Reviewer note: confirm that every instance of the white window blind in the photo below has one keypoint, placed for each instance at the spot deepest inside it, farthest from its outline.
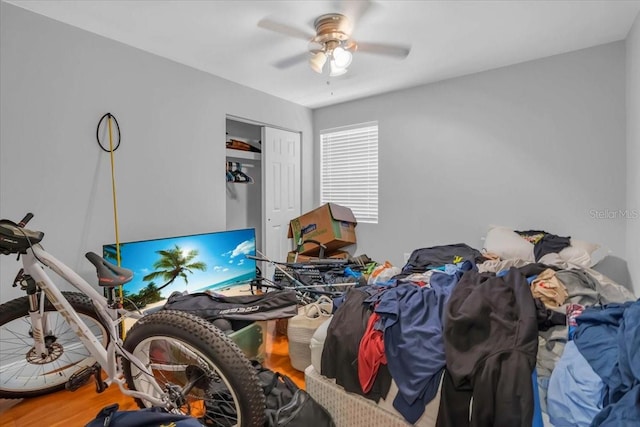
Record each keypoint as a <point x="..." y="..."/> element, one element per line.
<point x="349" y="169"/>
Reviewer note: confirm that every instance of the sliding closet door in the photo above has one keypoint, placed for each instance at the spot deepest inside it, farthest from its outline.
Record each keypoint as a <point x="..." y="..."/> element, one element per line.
<point x="281" y="190"/>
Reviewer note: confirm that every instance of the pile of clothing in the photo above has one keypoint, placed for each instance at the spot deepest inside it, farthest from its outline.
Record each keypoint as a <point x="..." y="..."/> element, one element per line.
<point x="484" y="331"/>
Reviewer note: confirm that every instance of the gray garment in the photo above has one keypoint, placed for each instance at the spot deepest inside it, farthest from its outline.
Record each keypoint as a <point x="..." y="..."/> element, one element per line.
<point x="611" y="291"/>
<point x="550" y="347"/>
<point x="581" y="287"/>
<point x="494" y="266"/>
<point x="585" y="289"/>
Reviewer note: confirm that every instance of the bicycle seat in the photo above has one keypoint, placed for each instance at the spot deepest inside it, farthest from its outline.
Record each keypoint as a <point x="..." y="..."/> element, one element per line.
<point x="109" y="275"/>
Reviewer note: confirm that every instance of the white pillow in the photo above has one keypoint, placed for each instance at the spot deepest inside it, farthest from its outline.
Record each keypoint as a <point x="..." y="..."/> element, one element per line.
<point x="585" y="254"/>
<point x="601" y="253"/>
<point x="575" y="255"/>
<point x="508" y="244"/>
<point x="588" y="247"/>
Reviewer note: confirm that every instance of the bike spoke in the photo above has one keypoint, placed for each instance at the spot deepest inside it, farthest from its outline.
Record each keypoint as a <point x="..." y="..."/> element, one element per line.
<point x="169" y="362"/>
<point x="21" y="369"/>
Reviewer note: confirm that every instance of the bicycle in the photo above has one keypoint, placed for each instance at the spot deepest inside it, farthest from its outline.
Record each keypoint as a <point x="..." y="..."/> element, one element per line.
<point x="52" y="339"/>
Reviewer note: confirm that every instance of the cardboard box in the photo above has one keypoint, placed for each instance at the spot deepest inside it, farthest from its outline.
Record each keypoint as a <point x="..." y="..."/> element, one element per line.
<point x="330" y="224"/>
<point x="291" y="256"/>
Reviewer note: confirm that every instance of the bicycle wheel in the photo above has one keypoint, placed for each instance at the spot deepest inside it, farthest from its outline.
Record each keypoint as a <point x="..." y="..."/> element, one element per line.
<point x="203" y="372"/>
<point x="25" y="374"/>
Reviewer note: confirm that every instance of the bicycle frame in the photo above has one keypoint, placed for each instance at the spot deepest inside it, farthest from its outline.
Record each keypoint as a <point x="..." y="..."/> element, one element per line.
<point x="32" y="261"/>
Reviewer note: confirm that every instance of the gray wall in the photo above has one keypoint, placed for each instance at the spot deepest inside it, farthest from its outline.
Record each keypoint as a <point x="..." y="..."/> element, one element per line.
<point x="539" y="144"/>
<point x="57" y="81"/>
<point x="535" y="145"/>
<point x="633" y="152"/>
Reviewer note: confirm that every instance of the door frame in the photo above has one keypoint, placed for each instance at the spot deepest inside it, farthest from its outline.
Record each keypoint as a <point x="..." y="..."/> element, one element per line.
<point x="263" y="124"/>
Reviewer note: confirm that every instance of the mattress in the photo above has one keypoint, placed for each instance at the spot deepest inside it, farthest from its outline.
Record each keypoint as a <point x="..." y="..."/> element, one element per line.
<point x="353" y="410"/>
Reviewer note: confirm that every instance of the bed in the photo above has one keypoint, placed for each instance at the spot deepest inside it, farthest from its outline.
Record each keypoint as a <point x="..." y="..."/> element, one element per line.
<point x="577" y="260"/>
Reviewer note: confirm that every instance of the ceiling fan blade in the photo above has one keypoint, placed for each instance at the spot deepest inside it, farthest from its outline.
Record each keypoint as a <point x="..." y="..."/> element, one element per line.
<point x="285" y="29"/>
<point x="355" y="10"/>
<point x="384" y="49"/>
<point x="292" y="60"/>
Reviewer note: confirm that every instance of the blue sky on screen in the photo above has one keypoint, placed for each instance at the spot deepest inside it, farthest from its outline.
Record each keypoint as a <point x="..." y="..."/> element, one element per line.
<point x="222" y="252"/>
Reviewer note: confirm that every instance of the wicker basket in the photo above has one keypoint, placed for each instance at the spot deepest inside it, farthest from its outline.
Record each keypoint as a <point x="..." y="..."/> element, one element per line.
<point x="352" y="410"/>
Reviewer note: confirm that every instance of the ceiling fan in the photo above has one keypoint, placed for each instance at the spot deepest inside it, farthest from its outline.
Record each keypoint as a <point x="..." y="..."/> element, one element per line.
<point x="332" y="43"/>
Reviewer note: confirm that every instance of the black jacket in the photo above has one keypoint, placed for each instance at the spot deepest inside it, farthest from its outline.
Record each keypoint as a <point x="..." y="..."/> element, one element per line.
<point x="491" y="343"/>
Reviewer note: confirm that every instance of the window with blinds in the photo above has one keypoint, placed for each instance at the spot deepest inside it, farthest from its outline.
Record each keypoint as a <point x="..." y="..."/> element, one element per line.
<point x="349" y="169"/>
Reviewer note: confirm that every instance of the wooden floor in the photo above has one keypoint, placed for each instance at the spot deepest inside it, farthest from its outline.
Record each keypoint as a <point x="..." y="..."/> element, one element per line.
<point x="66" y="408"/>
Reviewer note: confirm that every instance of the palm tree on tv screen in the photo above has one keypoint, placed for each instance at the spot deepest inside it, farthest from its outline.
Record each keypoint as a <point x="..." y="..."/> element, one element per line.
<point x="147" y="295"/>
<point x="174" y="263"/>
<point x="110" y="253"/>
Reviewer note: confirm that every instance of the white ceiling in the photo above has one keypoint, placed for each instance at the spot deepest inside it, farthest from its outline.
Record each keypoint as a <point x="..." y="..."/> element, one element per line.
<point x="447" y="38"/>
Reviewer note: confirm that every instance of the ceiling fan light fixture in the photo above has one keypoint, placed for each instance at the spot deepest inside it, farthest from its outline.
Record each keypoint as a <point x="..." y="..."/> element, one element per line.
<point x="336" y="70"/>
<point x="317" y="61"/>
<point x="341" y="57"/>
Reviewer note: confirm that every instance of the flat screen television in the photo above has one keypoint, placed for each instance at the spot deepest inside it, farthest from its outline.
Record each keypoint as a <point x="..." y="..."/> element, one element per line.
<point x="195" y="263"/>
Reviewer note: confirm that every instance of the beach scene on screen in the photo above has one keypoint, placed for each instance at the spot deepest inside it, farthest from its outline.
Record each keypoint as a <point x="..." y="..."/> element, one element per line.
<point x="195" y="263"/>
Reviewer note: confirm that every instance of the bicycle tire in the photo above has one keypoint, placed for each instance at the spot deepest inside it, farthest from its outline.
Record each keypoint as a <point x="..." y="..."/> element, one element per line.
<point x="168" y="339"/>
<point x="21" y="377"/>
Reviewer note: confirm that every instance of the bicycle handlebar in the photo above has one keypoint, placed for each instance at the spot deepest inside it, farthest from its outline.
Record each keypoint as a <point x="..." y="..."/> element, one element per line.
<point x="25" y="220"/>
<point x="15" y="239"/>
